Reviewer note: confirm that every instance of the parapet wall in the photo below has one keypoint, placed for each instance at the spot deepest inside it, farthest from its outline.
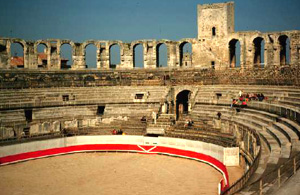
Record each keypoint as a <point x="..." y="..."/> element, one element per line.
<point x="207" y="52"/>
<point x="196" y="150"/>
<point x="217" y="46"/>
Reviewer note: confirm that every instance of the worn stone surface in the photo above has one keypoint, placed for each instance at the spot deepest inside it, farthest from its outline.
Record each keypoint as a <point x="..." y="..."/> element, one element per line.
<point x="214" y="46"/>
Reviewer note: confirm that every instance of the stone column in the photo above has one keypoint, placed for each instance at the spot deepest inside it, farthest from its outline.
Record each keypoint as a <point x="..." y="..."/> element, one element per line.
<point x="32" y="57"/>
<point x="54" y="57"/>
<point x="243" y="55"/>
<point x="276" y="57"/>
<point x="126" y="56"/>
<point x="149" y="55"/>
<point x="172" y="54"/>
<point x="78" y="57"/>
<point x="4" y="55"/>
<point x="101" y="57"/>
<point x="294" y="52"/>
<point x="268" y="54"/>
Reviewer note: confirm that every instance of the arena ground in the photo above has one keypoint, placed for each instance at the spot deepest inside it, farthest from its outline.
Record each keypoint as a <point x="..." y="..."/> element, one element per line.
<point x="111" y="173"/>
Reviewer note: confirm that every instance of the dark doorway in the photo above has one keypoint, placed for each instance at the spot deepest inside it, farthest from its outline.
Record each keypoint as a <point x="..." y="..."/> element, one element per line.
<point x="28" y="115"/>
<point x="234" y="53"/>
<point x="182" y="103"/>
<point x="100" y="110"/>
<point x="259" y="48"/>
<point x="284" y="43"/>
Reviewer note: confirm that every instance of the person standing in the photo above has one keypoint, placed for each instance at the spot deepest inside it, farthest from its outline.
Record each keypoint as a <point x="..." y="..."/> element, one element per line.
<point x="154" y="116"/>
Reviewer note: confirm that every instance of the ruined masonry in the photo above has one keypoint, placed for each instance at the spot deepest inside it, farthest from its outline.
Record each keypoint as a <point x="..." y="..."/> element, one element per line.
<point x="215" y="47"/>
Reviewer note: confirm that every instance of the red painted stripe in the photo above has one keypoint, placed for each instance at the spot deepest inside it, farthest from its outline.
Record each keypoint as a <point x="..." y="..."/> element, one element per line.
<point x="116" y="147"/>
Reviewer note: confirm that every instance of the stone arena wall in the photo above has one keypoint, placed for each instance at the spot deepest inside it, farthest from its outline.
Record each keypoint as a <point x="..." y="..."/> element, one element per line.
<point x="203" y="152"/>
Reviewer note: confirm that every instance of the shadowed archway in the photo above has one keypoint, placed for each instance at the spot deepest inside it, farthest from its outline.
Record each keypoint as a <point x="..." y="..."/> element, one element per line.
<point x="182" y="103"/>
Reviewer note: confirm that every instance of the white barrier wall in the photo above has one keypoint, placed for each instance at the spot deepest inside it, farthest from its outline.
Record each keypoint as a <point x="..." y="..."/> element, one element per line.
<point x="212" y="150"/>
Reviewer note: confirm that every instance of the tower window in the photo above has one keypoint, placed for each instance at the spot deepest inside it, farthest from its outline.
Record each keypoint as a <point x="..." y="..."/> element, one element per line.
<point x="139" y="96"/>
<point x="214" y="31"/>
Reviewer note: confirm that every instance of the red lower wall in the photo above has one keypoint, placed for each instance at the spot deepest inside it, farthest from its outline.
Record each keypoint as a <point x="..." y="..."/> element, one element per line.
<point x="120" y="147"/>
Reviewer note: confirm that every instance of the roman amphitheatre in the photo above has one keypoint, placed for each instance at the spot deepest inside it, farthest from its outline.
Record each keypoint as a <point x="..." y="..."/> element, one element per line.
<point x="223" y="119"/>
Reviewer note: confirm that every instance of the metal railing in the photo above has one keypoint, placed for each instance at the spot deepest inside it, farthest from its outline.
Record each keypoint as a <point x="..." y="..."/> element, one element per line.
<point x="276" y="178"/>
<point x="240" y="183"/>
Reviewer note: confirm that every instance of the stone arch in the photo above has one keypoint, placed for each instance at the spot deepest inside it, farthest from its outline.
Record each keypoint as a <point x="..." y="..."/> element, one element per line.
<point x="234" y="53"/>
<point x="38" y="42"/>
<point x="17" y="61"/>
<point x="284" y="49"/>
<point x="3" y="54"/>
<point x="118" y="53"/>
<point x="134" y="45"/>
<point x="160" y="50"/>
<point x="42" y="60"/>
<point x="182" y="103"/>
<point x="185" y="58"/>
<point x="69" y="42"/>
<point x="64" y="64"/>
<point x="93" y="60"/>
<point x="258" y="51"/>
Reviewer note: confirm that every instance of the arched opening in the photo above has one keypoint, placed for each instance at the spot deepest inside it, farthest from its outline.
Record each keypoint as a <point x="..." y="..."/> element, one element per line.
<point x="284" y="43"/>
<point x="91" y="56"/>
<point x="213" y="31"/>
<point x="234" y="53"/>
<point x="138" y="56"/>
<point x="65" y="56"/>
<point x="185" y="52"/>
<point x="42" y="55"/>
<point x="259" y="50"/>
<point x="161" y="55"/>
<point x="17" y="55"/>
<point x="114" y="56"/>
<point x="182" y="103"/>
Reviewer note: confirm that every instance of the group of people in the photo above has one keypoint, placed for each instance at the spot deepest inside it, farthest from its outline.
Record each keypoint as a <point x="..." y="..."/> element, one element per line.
<point x="118" y="132"/>
<point x="244" y="98"/>
<point x="188" y="123"/>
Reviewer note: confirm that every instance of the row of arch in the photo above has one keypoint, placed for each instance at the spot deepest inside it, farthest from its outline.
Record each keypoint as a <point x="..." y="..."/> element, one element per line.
<point x="67" y="50"/>
<point x="259" y="49"/>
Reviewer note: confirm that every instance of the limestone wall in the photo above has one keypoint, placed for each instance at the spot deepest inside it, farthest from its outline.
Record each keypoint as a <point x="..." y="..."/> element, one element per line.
<point x="213" y="47"/>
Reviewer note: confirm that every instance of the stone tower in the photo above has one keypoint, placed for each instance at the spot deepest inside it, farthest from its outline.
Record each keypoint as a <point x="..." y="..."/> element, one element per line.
<point x="215" y="20"/>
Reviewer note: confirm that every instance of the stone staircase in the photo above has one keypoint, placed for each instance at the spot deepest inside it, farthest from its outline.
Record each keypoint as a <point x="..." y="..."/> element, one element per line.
<point x="164" y="121"/>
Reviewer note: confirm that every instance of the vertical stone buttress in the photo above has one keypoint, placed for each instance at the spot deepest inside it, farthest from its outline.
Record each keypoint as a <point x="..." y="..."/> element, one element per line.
<point x="4" y="57"/>
<point x="78" y="57"/>
<point x="149" y="54"/>
<point x="32" y="63"/>
<point x="54" y="56"/>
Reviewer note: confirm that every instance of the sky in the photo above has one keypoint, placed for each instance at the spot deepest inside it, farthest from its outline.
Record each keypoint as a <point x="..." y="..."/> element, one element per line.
<point x="129" y="20"/>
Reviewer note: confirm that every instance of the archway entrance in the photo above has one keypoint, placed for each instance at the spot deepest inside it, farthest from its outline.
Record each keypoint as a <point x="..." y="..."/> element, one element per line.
<point x="182" y="103"/>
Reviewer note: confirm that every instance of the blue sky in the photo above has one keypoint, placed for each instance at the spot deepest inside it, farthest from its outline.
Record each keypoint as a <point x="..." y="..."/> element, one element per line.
<point x="128" y="20"/>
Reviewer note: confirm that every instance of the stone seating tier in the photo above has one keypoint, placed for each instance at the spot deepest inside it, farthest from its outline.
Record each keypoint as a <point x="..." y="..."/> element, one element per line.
<point x="54" y="96"/>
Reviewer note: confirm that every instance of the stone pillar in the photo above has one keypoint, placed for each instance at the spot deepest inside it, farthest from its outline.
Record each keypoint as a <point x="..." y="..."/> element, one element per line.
<point x="243" y="55"/>
<point x="276" y="58"/>
<point x="294" y="52"/>
<point x="54" y="61"/>
<point x="126" y="56"/>
<point x="101" y="55"/>
<point x="149" y="55"/>
<point x="78" y="57"/>
<point x="4" y="55"/>
<point x="268" y="54"/>
<point x="172" y="55"/>
<point x="32" y="57"/>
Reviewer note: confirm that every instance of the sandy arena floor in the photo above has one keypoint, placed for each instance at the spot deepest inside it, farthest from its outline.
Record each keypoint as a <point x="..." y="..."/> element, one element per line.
<point x="110" y="173"/>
